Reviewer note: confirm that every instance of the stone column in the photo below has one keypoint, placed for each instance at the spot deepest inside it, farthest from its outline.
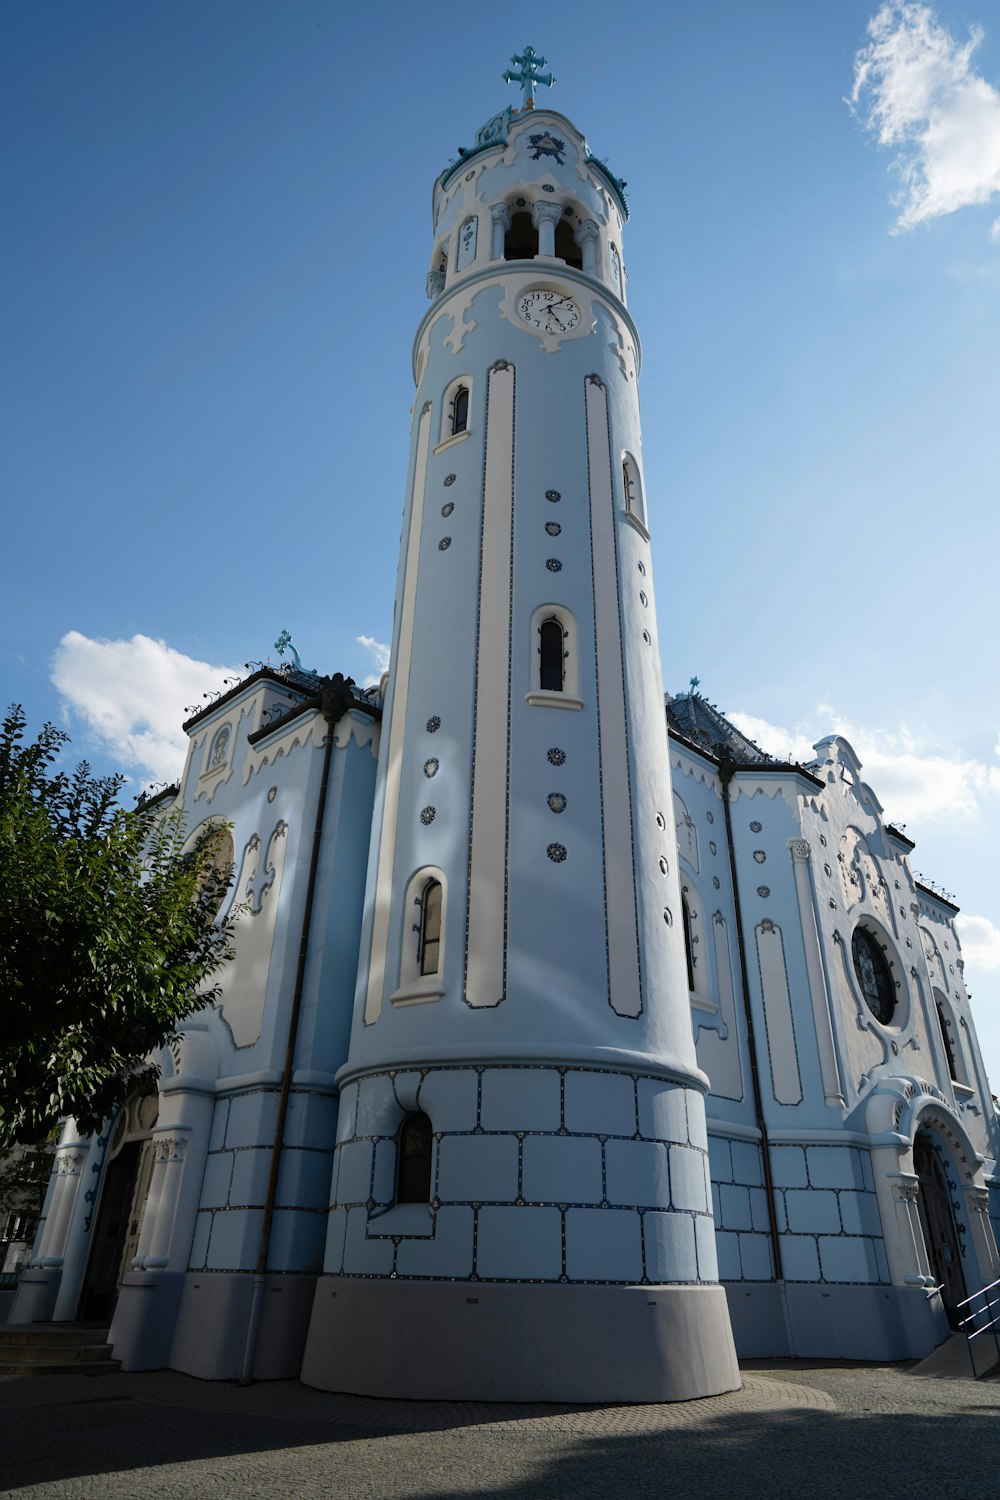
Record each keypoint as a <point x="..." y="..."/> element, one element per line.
<point x="586" y="237"/>
<point x="977" y="1206"/>
<point x="500" y="214"/>
<point x="164" y="1191"/>
<point x="909" y="1237"/>
<point x="833" y="1088"/>
<point x="70" y="1160"/>
<point x="545" y="217"/>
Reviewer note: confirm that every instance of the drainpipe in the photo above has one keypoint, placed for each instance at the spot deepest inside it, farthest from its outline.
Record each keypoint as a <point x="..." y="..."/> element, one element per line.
<point x="727" y="767"/>
<point x="334" y="700"/>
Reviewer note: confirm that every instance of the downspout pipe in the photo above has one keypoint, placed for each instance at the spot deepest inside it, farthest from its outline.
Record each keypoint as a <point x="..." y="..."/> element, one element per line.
<point x="335" y="698"/>
<point x="727" y="768"/>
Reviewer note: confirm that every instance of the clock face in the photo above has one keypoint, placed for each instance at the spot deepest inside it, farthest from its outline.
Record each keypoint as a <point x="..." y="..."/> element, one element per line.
<point x="547" y="310"/>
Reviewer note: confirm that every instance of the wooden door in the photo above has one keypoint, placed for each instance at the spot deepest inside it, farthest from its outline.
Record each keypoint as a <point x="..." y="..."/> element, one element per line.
<point x="938" y="1224"/>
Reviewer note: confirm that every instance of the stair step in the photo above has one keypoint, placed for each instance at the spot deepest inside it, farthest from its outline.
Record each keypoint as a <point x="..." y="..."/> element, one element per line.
<point x="51" y="1335"/>
<point x="77" y="1367"/>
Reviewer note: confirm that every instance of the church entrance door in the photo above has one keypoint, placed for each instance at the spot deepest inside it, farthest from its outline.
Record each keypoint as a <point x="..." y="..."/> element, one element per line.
<point x="120" y="1211"/>
<point x="938" y="1224"/>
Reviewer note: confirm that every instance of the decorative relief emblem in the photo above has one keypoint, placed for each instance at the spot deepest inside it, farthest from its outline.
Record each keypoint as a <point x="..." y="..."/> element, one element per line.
<point x="444" y="544"/>
<point x="661" y="821"/>
<point x="642" y="568"/>
<point x="553" y="496"/>
<point x="668" y="916"/>
<point x="557" y="853"/>
<point x="433" y="724"/>
<point x="431" y="767"/>
<point x="710" y="817"/>
<point x="642" y="599"/>
<point x="712" y="847"/>
<point x="545" y="144"/>
<point x="553" y="528"/>
<point x="595" y="380"/>
<point x="220" y="747"/>
<point x="553" y="564"/>
<point x="556" y="757"/>
<point x="557" y="802"/>
<point x="766" y="925"/>
<point x="446" y="510"/>
<point x="500" y="364"/>
<point x="647" y="637"/>
<point x="756" y="827"/>
<point x="715" y="881"/>
<point x="272" y="792"/>
<point x="764" y="891"/>
<point x="427" y="815"/>
<point x="759" y="856"/>
<point x="449" y="480"/>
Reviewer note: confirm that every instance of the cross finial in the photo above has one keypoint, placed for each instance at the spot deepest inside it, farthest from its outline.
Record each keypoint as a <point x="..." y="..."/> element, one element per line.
<point x="695" y="685"/>
<point x="529" y="63"/>
<point x="283" y="644"/>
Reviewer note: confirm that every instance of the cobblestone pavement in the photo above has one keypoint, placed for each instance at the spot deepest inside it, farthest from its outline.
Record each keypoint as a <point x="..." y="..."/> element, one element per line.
<point x="798" y="1431"/>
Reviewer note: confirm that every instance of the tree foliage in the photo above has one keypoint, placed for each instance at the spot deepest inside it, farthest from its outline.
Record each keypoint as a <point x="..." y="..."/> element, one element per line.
<point x="109" y="935"/>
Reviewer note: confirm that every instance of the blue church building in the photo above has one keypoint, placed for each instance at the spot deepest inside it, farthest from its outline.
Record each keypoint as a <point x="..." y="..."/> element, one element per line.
<point x="573" y="1045"/>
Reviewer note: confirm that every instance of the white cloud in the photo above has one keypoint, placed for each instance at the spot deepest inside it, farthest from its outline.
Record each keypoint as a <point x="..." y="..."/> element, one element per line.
<point x="380" y="655"/>
<point x="915" y="781"/>
<point x="132" y="696"/>
<point x="980" y="939"/>
<point x="915" y="89"/>
<point x="995" y="230"/>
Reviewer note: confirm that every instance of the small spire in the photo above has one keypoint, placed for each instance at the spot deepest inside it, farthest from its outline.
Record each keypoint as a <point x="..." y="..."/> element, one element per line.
<point x="529" y="63"/>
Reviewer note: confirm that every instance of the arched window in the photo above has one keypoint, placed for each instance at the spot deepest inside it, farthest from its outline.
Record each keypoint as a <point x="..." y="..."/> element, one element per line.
<point x="429" y="947"/>
<point x="550" y="651"/>
<point x="521" y="239"/>
<point x="946" y="1038"/>
<point x="460" y="410"/>
<point x="873" y="975"/>
<point x="688" y="941"/>
<point x="632" y="489"/>
<point x="456" y="409"/>
<point x="555" y="651"/>
<point x="424" y="934"/>
<point x="413" y="1174"/>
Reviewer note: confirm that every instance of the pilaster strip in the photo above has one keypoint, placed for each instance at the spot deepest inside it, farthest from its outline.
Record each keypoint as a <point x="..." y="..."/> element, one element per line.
<point x="486" y="947"/>
<point x="397" y="733"/>
<point x="624" y="986"/>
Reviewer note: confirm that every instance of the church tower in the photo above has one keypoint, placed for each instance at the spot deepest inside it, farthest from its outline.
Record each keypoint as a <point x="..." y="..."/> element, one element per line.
<point x="521" y="1204"/>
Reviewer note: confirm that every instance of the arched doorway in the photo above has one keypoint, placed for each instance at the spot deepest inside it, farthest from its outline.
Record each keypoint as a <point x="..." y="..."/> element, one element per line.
<point x="118" y="1222"/>
<point x="937" y="1221"/>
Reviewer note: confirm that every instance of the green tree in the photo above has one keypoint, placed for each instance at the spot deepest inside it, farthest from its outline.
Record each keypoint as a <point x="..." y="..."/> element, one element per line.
<point x="108" y="935"/>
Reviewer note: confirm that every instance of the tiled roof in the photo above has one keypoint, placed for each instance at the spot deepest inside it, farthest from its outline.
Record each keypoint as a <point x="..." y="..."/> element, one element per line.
<point x="701" y="723"/>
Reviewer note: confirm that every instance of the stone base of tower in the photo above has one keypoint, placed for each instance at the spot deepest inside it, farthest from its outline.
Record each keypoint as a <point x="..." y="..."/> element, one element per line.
<point x="480" y="1342"/>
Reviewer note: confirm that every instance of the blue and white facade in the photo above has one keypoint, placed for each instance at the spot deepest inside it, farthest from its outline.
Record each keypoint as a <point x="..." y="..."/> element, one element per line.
<point x="565" y="1038"/>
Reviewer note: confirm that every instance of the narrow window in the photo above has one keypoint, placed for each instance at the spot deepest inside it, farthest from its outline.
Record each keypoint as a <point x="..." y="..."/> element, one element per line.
<point x="688" y="941"/>
<point x="550" y="648"/>
<point x="413" y="1183"/>
<point x="430" y="927"/>
<point x="628" y="483"/>
<point x="946" y="1038"/>
<point x="460" y="410"/>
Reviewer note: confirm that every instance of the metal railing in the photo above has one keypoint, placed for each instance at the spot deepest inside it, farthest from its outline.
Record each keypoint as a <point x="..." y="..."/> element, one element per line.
<point x="984" y="1317"/>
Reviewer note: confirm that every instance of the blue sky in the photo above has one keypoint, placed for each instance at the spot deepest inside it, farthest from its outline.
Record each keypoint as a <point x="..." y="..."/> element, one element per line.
<point x="217" y="232"/>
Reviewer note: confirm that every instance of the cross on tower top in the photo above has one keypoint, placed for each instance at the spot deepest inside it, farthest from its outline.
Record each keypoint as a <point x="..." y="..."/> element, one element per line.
<point x="529" y="63"/>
